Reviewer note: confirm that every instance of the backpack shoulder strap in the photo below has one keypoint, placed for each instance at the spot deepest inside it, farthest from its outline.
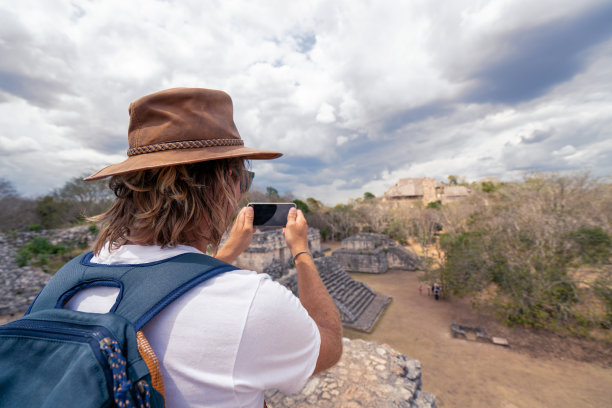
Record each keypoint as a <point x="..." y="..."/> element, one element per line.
<point x="144" y="289"/>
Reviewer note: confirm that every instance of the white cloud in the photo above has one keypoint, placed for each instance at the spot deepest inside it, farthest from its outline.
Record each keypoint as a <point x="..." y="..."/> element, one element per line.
<point x="326" y="114"/>
<point x="565" y="151"/>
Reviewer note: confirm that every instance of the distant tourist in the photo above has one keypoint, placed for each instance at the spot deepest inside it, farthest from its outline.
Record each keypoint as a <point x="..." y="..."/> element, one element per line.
<point x="436" y="291"/>
<point x="420" y="289"/>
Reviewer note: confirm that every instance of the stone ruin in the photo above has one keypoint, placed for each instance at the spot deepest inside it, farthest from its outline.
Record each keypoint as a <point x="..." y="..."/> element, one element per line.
<point x="268" y="252"/>
<point x="367" y="375"/>
<point x="460" y="331"/>
<point x="469" y="332"/>
<point x="359" y="305"/>
<point x="374" y="253"/>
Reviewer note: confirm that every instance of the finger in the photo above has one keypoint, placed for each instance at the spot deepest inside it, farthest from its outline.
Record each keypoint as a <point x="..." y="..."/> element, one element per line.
<point x="239" y="222"/>
<point x="300" y="216"/>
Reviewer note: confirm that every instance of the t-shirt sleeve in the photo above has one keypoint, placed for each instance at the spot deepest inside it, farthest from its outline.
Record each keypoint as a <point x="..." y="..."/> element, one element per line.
<point x="280" y="342"/>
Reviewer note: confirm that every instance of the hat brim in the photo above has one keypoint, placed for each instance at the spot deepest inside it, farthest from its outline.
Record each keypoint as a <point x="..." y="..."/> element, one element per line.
<point x="183" y="156"/>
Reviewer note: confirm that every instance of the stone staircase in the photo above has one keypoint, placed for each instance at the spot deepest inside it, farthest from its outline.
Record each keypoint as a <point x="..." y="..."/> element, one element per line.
<point x="358" y="304"/>
<point x="351" y="297"/>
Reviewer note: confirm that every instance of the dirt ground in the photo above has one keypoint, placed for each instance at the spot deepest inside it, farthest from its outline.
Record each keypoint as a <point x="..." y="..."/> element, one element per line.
<point x="537" y="370"/>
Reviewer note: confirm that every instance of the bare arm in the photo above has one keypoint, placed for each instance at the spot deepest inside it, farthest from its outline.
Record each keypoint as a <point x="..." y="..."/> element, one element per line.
<point x="240" y="236"/>
<point x="313" y="294"/>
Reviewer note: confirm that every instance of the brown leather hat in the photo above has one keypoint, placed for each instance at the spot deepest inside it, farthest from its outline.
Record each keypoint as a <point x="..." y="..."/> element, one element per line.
<point x="181" y="126"/>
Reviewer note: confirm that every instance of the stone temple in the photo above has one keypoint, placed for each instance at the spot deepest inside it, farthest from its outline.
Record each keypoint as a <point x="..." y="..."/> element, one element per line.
<point x="268" y="252"/>
<point x="374" y="253"/>
<point x="358" y="304"/>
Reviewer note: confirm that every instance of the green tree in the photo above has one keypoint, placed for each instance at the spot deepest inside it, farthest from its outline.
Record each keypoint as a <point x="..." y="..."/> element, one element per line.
<point x="272" y="193"/>
<point x="489" y="186"/>
<point x="52" y="212"/>
<point x="368" y="196"/>
<point x="301" y="205"/>
<point x="89" y="197"/>
<point x="73" y="202"/>
<point x="314" y="204"/>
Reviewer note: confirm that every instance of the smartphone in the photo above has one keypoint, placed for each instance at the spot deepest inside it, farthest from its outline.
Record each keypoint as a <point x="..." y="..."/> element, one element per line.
<point x="271" y="214"/>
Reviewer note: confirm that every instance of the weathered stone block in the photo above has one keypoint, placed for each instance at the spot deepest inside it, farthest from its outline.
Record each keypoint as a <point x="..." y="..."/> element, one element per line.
<point x="362" y="261"/>
<point x="374" y="253"/>
<point x="373" y="379"/>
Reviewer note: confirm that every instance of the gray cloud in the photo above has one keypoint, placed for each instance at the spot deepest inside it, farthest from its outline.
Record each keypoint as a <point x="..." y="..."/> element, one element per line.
<point x="37" y="91"/>
<point x="535" y="59"/>
<point x="30" y="68"/>
<point x="404" y="117"/>
<point x="536" y="136"/>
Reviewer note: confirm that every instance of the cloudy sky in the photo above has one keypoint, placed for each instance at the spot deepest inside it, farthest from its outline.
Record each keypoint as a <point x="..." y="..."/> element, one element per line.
<point x="356" y="93"/>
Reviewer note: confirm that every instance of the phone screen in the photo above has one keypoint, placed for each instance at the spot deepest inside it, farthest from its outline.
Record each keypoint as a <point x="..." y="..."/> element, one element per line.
<point x="270" y="214"/>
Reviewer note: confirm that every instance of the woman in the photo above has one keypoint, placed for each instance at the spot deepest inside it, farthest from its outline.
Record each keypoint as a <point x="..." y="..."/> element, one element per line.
<point x="232" y="337"/>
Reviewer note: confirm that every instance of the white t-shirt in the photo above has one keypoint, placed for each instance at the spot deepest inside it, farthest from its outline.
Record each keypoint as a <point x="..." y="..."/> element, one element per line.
<point x="223" y="342"/>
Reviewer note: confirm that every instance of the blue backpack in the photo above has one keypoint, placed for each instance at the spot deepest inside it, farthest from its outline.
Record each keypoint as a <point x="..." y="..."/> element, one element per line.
<point x="55" y="357"/>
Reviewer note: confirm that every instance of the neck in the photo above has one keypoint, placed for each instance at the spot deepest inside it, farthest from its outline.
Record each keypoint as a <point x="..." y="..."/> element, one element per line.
<point x="191" y="239"/>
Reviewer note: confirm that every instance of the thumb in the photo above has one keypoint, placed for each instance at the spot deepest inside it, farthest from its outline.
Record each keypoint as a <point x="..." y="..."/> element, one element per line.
<point x="249" y="215"/>
<point x="292" y="215"/>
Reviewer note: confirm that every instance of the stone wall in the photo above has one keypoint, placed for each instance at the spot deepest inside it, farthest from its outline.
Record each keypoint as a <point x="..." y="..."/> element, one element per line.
<point x="362" y="261"/>
<point x="365" y="241"/>
<point x="374" y="253"/>
<point x="430" y="193"/>
<point x="19" y="286"/>
<point x="368" y="375"/>
<point x="268" y="249"/>
<point x="400" y="258"/>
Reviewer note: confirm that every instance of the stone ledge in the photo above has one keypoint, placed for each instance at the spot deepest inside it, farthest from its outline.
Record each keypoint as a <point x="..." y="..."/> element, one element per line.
<point x="368" y="375"/>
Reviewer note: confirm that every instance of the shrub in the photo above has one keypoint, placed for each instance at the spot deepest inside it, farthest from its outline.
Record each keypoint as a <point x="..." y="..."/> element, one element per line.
<point x="522" y="250"/>
<point x="39" y="251"/>
<point x="489" y="186"/>
<point x="435" y="205"/>
<point x="395" y="230"/>
<point x="42" y="246"/>
<point x="593" y="245"/>
<point x="23" y="256"/>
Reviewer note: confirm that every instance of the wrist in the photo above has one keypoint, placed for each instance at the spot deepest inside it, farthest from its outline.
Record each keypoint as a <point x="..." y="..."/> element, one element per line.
<point x="301" y="254"/>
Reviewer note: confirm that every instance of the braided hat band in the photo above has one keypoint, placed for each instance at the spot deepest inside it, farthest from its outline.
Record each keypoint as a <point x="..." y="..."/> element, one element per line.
<point x="184" y="144"/>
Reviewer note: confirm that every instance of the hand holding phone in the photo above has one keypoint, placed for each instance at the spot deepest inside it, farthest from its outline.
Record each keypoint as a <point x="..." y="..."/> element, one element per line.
<point x="271" y="214"/>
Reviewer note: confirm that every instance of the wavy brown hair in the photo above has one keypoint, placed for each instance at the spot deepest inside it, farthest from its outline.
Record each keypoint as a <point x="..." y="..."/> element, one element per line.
<point x="171" y="205"/>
